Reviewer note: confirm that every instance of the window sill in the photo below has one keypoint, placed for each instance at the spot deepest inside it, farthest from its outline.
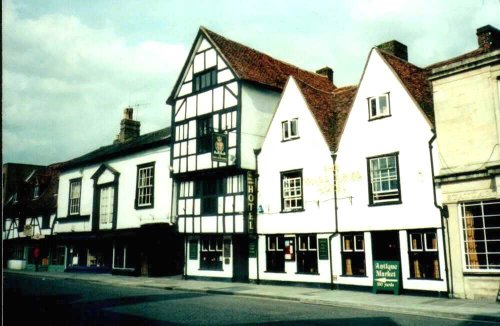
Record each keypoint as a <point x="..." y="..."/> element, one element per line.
<point x="124" y="268"/>
<point x="354" y="276"/>
<point x="290" y="139"/>
<point x="275" y="272"/>
<point x="210" y="269"/>
<point x="425" y="279"/>
<point x="482" y="273"/>
<point x="144" y="207"/>
<point x="293" y="211"/>
<point x="380" y="117"/>
<point x="385" y="204"/>
<point x="303" y="273"/>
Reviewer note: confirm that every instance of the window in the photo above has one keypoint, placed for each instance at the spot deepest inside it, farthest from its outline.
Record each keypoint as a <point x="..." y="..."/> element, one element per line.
<point x="307" y="258"/>
<point x="57" y="255"/>
<point x="124" y="256"/>
<point x="384" y="179"/>
<point x="106" y="205"/>
<point x="353" y="255"/>
<point x="211" y="253"/>
<point x="36" y="191"/>
<point x="205" y="130"/>
<point x="75" y="196"/>
<point x="424" y="260"/>
<point x="291" y="190"/>
<point x="275" y="255"/>
<point x="481" y="234"/>
<point x="379" y="106"/>
<point x="204" y="80"/>
<point x="290" y="129"/>
<point x="208" y="190"/>
<point x="234" y="184"/>
<point x="16" y="252"/>
<point x="145" y="185"/>
<point x="186" y="189"/>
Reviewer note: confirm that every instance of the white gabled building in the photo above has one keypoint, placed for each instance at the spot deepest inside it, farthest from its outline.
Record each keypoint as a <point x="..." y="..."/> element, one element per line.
<point x="222" y="103"/>
<point x="296" y="221"/>
<point x="386" y="201"/>
<point x="114" y="206"/>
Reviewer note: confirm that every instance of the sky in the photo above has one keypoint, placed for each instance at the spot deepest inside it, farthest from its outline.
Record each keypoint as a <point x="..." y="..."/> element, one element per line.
<point x="69" y="68"/>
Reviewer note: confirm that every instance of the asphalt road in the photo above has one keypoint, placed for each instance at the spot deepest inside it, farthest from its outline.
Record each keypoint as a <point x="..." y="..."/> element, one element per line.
<point x="37" y="301"/>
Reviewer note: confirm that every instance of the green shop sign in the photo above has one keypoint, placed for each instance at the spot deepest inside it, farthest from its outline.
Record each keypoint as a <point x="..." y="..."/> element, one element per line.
<point x="219" y="147"/>
<point x="386" y="276"/>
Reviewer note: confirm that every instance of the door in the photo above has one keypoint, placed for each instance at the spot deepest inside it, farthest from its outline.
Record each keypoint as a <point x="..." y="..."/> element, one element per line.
<point x="240" y="264"/>
<point x="385" y="245"/>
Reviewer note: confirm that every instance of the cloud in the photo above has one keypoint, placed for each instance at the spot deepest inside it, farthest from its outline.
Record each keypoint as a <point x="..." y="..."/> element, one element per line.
<point x="65" y="85"/>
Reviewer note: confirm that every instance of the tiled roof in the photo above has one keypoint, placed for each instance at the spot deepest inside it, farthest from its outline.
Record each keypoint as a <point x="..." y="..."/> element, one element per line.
<point x="330" y="109"/>
<point x="467" y="55"/>
<point x="415" y="80"/>
<point x="258" y="67"/>
<point x="161" y="136"/>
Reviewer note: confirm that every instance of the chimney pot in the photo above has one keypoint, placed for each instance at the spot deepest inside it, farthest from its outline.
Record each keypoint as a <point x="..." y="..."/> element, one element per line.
<point x="395" y="48"/>
<point x="326" y="71"/>
<point x="488" y="37"/>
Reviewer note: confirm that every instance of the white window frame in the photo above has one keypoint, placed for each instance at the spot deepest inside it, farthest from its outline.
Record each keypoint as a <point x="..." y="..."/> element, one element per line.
<point x="124" y="258"/>
<point x="291" y="188"/>
<point x="417" y="235"/>
<point x="234" y="184"/>
<point x="354" y="247"/>
<point x="145" y="189"/>
<point x="288" y="128"/>
<point x="463" y="228"/>
<point x="36" y="191"/>
<point x="75" y="196"/>
<point x="308" y="242"/>
<point x="106" y="205"/>
<point x="277" y="242"/>
<point x="374" y="106"/>
<point x="378" y="176"/>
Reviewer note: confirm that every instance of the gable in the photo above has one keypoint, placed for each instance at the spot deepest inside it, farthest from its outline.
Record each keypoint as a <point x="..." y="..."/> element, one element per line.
<point x="105" y="174"/>
<point x="202" y="57"/>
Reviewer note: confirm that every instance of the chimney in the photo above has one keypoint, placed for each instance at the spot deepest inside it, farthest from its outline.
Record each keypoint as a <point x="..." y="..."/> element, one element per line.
<point x="488" y="37"/>
<point x="395" y="48"/>
<point x="326" y="71"/>
<point x="129" y="128"/>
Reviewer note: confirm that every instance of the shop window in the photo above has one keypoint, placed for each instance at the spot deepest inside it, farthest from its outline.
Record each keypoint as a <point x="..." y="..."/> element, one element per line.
<point x="124" y="257"/>
<point x="211" y="253"/>
<point x="353" y="255"/>
<point x="481" y="234"/>
<point x="275" y="254"/>
<point x="58" y="254"/>
<point x="424" y="259"/>
<point x="307" y="254"/>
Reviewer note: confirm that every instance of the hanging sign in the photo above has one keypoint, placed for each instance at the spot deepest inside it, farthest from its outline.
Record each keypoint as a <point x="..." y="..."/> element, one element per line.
<point x="219" y="147"/>
<point x="386" y="276"/>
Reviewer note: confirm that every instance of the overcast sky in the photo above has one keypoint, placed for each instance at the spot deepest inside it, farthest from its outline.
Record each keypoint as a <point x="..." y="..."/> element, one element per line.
<point x="71" y="67"/>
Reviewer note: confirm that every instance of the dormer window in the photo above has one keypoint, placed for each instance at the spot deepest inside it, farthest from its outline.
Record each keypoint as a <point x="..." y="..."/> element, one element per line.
<point x="204" y="80"/>
<point x="290" y="129"/>
<point x="378" y="106"/>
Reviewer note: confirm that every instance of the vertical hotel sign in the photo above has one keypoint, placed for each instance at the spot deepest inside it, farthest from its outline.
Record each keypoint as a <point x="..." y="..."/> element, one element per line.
<point x="219" y="147"/>
<point x="251" y="202"/>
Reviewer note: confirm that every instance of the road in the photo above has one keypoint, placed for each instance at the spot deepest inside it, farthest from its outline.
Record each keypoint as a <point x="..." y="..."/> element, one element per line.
<point x="42" y="301"/>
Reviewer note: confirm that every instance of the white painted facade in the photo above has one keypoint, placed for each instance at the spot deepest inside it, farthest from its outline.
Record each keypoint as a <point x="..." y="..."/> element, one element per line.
<point x="405" y="133"/>
<point x="127" y="215"/>
<point x="310" y="154"/>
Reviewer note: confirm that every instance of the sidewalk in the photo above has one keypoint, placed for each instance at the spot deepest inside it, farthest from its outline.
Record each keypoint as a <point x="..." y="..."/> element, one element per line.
<point x="407" y="304"/>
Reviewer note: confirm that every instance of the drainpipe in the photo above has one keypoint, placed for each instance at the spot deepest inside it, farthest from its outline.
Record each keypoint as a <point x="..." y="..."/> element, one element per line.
<point x="334" y="158"/>
<point x="256" y="153"/>
<point x="443" y="214"/>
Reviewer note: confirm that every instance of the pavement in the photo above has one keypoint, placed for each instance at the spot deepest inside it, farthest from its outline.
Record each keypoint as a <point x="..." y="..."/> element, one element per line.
<point x="463" y="309"/>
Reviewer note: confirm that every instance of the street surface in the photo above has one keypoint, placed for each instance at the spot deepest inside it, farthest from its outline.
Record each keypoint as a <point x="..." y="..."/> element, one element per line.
<point x="43" y="301"/>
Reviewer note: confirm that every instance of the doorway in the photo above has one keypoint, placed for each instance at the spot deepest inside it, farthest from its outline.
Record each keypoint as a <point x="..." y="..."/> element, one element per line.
<point x="385" y="245"/>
